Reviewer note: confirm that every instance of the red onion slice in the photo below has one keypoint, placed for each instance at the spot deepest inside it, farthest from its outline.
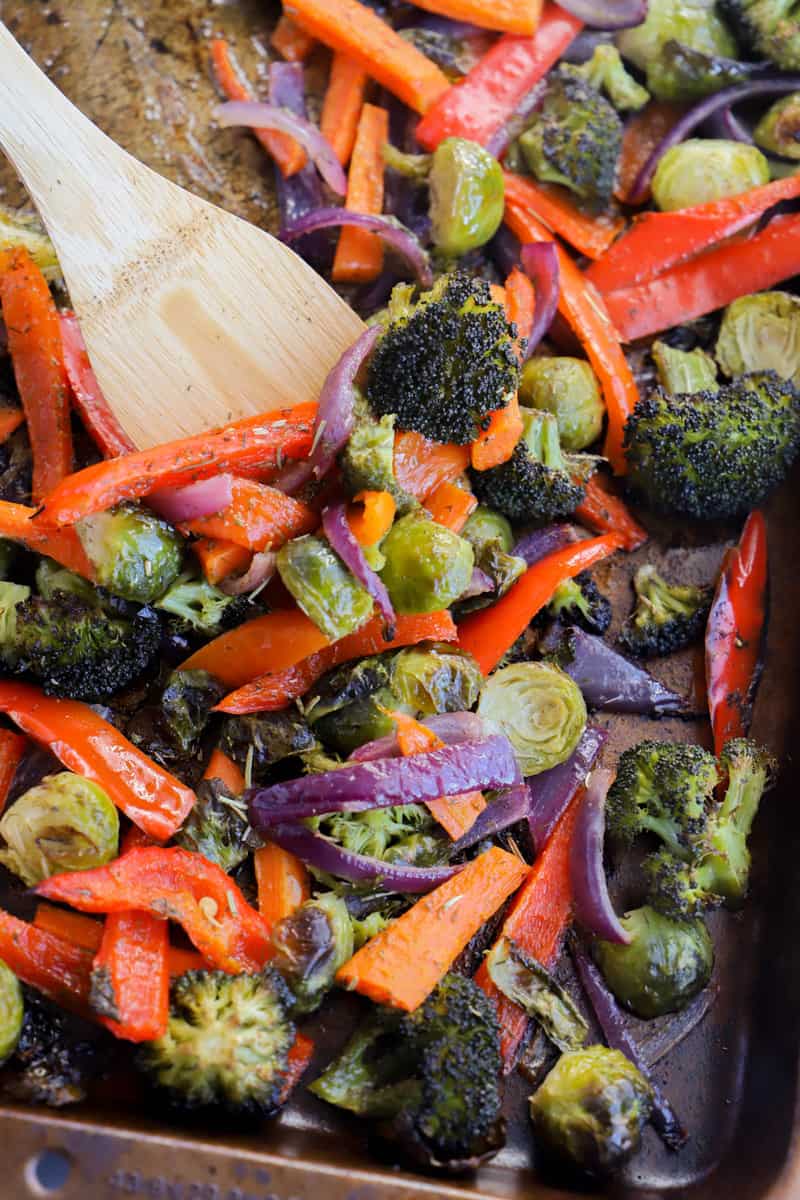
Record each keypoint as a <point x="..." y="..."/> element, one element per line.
<point x="540" y="263"/>
<point x="607" y="14"/>
<point x="338" y="532"/>
<point x="196" y="500"/>
<point x="452" y="728"/>
<point x="260" y="571"/>
<point x="257" y="115"/>
<point x="506" y="809"/>
<point x="335" y="419"/>
<point x="541" y="542"/>
<point x="480" y="584"/>
<point x="591" y="901"/>
<point x="552" y="791"/>
<point x="388" y="229"/>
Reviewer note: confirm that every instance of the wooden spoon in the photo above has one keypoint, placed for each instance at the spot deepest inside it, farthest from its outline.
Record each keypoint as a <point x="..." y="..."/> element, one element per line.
<point x="192" y="317"/>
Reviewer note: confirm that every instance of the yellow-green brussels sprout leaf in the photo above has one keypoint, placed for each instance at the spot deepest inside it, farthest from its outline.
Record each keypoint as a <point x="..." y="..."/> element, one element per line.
<point x="539" y="709"/>
<point x="427" y="566"/>
<point x="567" y="388"/>
<point x="18" y="231"/>
<point x="703" y="169"/>
<point x="778" y="131"/>
<point x="681" y="372"/>
<point x="485" y="526"/>
<point x="467" y="196"/>
<point x="761" y="333"/>
<point x="65" y="823"/>
<point x="323" y="587"/>
<point x="12" y="1011"/>
<point x="436" y="679"/>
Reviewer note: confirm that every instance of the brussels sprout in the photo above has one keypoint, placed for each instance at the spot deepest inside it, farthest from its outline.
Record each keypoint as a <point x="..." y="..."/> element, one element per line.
<point x="256" y="743"/>
<point x="436" y="679"/>
<point x="778" y="131"/>
<point x="539" y="709"/>
<point x="665" y="965"/>
<point x="12" y="1011"/>
<point x="427" y="566"/>
<point x="134" y="553"/>
<point x="682" y="73"/>
<point x="693" y="23"/>
<point x="704" y="169"/>
<point x="216" y="826"/>
<point x="761" y="333"/>
<point x="186" y="704"/>
<point x="310" y="946"/>
<point x="567" y="388"/>
<point x="467" y="196"/>
<point x="348" y="705"/>
<point x="485" y="527"/>
<point x="20" y="231"/>
<point x="66" y="823"/>
<point x="684" y="372"/>
<point x="323" y="587"/>
<point x="527" y="983"/>
<point x="591" y="1109"/>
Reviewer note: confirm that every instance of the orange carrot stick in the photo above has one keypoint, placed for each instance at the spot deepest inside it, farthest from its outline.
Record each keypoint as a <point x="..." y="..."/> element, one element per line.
<point x="341" y="108"/>
<point x="359" y="32"/>
<point x="359" y="255"/>
<point x="456" y="814"/>
<point x="10" y="421"/>
<point x="520" y="302"/>
<point x="605" y="513"/>
<point x="496" y="443"/>
<point x="290" y="40"/>
<point x="556" y="209"/>
<point x="370" y="516"/>
<point x="451" y="505"/>
<point x="273" y="642"/>
<point x="403" y="963"/>
<point x="222" y="767"/>
<point x="421" y="465"/>
<point x="219" y="559"/>
<point x="282" y="880"/>
<point x="61" y="544"/>
<point x="259" y="517"/>
<point x="506" y="16"/>
<point x="12" y="748"/>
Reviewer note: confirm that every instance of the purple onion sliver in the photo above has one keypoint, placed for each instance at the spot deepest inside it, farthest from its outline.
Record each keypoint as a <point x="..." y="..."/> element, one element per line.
<point x="502" y="138"/>
<point x="294" y="476"/>
<point x="505" y="251"/>
<point x="487" y="763"/>
<point x="260" y="571"/>
<point x="552" y="791"/>
<point x="540" y="263"/>
<point x="607" y="14"/>
<point x="506" y="809"/>
<point x="458" y="30"/>
<point x="320" y="852"/>
<point x="453" y="729"/>
<point x="301" y="193"/>
<point x="541" y="542"/>
<point x="590" y="899"/>
<point x="338" y="532"/>
<point x="257" y="115"/>
<point x="480" y="584"/>
<point x="388" y="229"/>
<point x="612" y="1022"/>
<point x="335" y="419"/>
<point x="196" y="500"/>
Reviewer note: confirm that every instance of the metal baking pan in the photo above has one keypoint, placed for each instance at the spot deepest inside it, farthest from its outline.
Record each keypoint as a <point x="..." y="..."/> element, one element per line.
<point x="138" y="68"/>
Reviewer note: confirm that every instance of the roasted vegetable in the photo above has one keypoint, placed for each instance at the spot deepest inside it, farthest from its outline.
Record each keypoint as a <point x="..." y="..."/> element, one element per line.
<point x="367" y="460"/>
<point x="485" y="527"/>
<point x="683" y="73"/>
<point x="226" y="1045"/>
<point x="466" y="196"/>
<point x="310" y="946"/>
<point x="12" y="1011"/>
<point x="579" y="601"/>
<point x="567" y="388"/>
<point x="186" y="703"/>
<point x="667" y="616"/>
<point x="768" y="28"/>
<point x="539" y="709"/>
<point x="349" y="705"/>
<point x="65" y="823"/>
<point x="216" y="826"/>
<point x="531" y="986"/>
<point x="489" y="533"/>
<point x="436" y="678"/>
<point x="55" y="1058"/>
<point x="713" y="455"/>
<point x="134" y="553"/>
<point x="663" y="788"/>
<point x="778" y="131"/>
<point x="323" y="587"/>
<point x="258" y="742"/>
<point x="663" y="967"/>
<point x="51" y="578"/>
<point x="201" y="607"/>
<point x="17" y="230"/>
<point x="606" y="72"/>
<point x="703" y="169"/>
<point x="693" y="24"/>
<point x="445" y="362"/>
<point x="591" y="1109"/>
<point x="427" y="566"/>
<point x="761" y="333"/>
<point x="403" y="834"/>
<point x="684" y="371"/>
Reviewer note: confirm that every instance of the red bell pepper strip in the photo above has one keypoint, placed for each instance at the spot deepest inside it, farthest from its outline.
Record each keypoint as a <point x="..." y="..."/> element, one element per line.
<point x="93" y="409"/>
<point x="12" y="748"/>
<point x="582" y="307"/>
<point x="64" y="545"/>
<point x="643" y="132"/>
<point x="603" y="512"/>
<point x="480" y="104"/>
<point x="153" y="799"/>
<point x="88" y="932"/>
<point x="554" y="207"/>
<point x="658" y="240"/>
<point x="735" y="633"/>
<point x="708" y="282"/>
<point x="537" y="921"/>
<point x="10" y="421"/>
<point x="489" y="633"/>
<point x="260" y="441"/>
<point x="34" y="343"/>
<point x="181" y="886"/>
<point x="59" y="969"/>
<point x="300" y="1056"/>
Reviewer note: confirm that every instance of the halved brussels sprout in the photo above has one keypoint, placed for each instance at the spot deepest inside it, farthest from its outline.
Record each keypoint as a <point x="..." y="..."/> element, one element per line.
<point x="466" y="196"/>
<point x="12" y="1011"/>
<point x="567" y="388"/>
<point x="761" y="333"/>
<point x="693" y="23"/>
<point x="427" y="566"/>
<point x="66" y="823"/>
<point x="436" y="678"/>
<point x="539" y="709"/>
<point x="323" y="587"/>
<point x="310" y="946"/>
<point x="681" y="372"/>
<point x="778" y="131"/>
<point x="485" y="526"/>
<point x="704" y="169"/>
<point x="134" y="553"/>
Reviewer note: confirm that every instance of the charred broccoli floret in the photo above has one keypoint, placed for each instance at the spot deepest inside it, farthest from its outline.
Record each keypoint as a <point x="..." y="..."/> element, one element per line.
<point x="663" y="788"/>
<point x="713" y="455"/>
<point x="226" y="1046"/>
<point x="56" y="1056"/>
<point x="579" y="601"/>
<point x="575" y="138"/>
<point x="667" y="616"/>
<point x="538" y="481"/>
<point x="200" y="606"/>
<point x="431" y="1078"/>
<point x="606" y="72"/>
<point x="444" y="363"/>
<point x="770" y="28"/>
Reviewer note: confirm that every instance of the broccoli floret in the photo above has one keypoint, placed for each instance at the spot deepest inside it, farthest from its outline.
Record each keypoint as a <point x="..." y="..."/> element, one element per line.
<point x="226" y="1046"/>
<point x="770" y="28"/>
<point x="713" y="455"/>
<point x="391" y="834"/>
<point x="431" y="1078"/>
<point x="202" y="607"/>
<point x="445" y="363"/>
<point x="538" y="481"/>
<point x="606" y="72"/>
<point x="579" y="601"/>
<point x="575" y="138"/>
<point x="667" y="616"/>
<point x="663" y="788"/>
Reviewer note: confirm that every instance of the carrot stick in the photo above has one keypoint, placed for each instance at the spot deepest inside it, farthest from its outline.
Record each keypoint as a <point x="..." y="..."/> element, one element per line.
<point x="359" y="255"/>
<point x="273" y="642"/>
<point x="642" y="134"/>
<point x="403" y="963"/>
<point x="554" y="207"/>
<point x="219" y="559"/>
<point x="12" y="748"/>
<point x="420" y="465"/>
<point x="297" y="1064"/>
<point x="506" y="16"/>
<point x="290" y="41"/>
<point x="10" y="421"/>
<point x="59" y="969"/>
<point x="537" y="920"/>
<point x="222" y="767"/>
<point x="581" y="305"/>
<point x="520" y="302"/>
<point x="258" y="517"/>
<point x="605" y="513"/>
<point x="61" y="544"/>
<point x="496" y="443"/>
<point x="341" y="108"/>
<point x="34" y="343"/>
<point x="71" y="926"/>
<point x="287" y="153"/>
<point x="451" y="505"/>
<point x="489" y="633"/>
<point x="263" y="441"/>
<point x="370" y="516"/>
<point x="456" y="814"/>
<point x="357" y="31"/>
<point x="276" y="690"/>
<point x="282" y="880"/>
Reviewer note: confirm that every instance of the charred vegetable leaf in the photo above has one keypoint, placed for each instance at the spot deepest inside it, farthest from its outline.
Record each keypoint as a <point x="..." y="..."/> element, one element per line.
<point x="55" y="1058"/>
<point x="259" y="742"/>
<point x="216" y="826"/>
<point x="530" y="985"/>
<point x="186" y="704"/>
